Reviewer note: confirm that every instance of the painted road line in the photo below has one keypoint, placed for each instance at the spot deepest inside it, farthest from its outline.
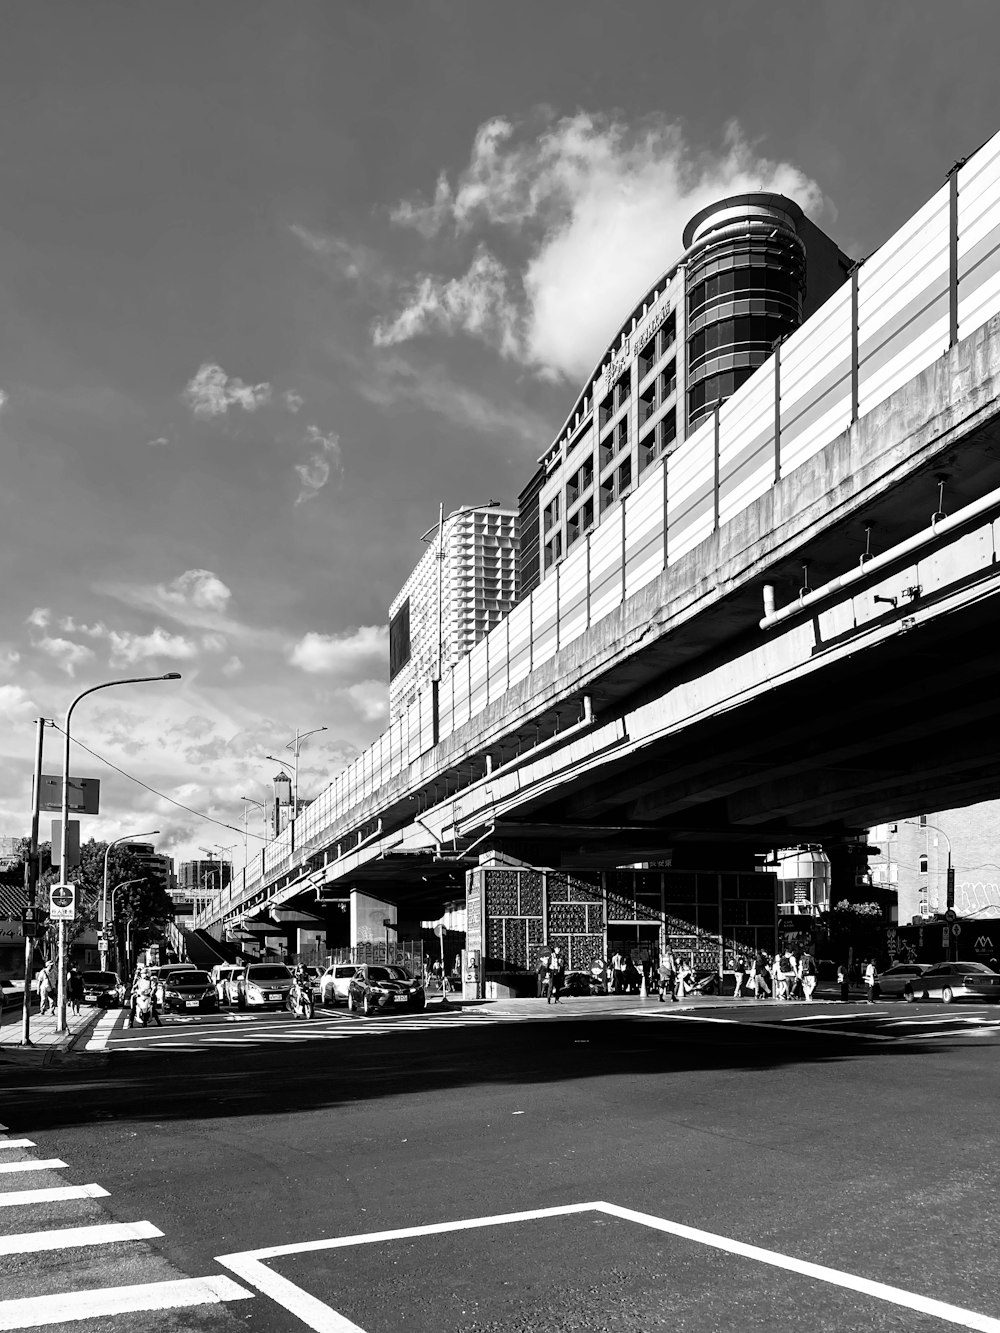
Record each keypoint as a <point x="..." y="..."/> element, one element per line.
<point x="53" y="1195"/>
<point x="952" y="1314"/>
<point x="50" y="1164"/>
<point x="36" y="1311"/>
<point x="18" y="1143"/>
<point x="103" y="1029"/>
<point x="65" y="1238"/>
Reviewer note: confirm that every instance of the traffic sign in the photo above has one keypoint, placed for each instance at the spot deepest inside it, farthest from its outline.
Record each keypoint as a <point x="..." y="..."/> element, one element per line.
<point x="84" y="794"/>
<point x="951" y="914"/>
<point x="956" y="929"/>
<point x="62" y="902"/>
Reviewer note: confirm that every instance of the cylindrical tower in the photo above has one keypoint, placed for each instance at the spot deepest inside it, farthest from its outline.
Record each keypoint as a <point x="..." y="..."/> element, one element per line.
<point x="745" y="279"/>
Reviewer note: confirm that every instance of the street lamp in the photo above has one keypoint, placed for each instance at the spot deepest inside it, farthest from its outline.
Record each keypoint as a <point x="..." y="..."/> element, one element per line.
<point x="439" y="529"/>
<point x="123" y="885"/>
<point x="949" y="872"/>
<point x="246" y="815"/>
<point x="64" y="831"/>
<point x="126" y="837"/>
<point x="295" y="746"/>
<point x="220" y="849"/>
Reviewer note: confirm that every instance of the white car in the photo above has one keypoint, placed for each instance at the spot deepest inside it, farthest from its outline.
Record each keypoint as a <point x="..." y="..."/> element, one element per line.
<point x="263" y="986"/>
<point x="226" y="976"/>
<point x="334" y="982"/>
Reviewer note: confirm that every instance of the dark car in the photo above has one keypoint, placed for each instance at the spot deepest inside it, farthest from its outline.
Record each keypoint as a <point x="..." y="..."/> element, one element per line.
<point x="894" y="980"/>
<point x="104" y="989"/>
<point x="955" y="981"/>
<point x="190" y="989"/>
<point x="376" y="987"/>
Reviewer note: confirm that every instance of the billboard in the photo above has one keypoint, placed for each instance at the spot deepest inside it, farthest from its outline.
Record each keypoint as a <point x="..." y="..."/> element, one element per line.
<point x="399" y="640"/>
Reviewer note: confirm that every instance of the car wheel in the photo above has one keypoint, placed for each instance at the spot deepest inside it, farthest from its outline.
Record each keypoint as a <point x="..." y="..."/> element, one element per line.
<point x="947" y="995"/>
<point x="419" y="1005"/>
<point x="367" y="1006"/>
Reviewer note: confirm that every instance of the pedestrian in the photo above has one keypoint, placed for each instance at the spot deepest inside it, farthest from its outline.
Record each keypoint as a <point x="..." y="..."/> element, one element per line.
<point x="46" y="990"/>
<point x="762" y="976"/>
<point x="74" y="989"/>
<point x="556" y="975"/>
<point x="739" y="967"/>
<point x="807" y="974"/>
<point x="617" y="972"/>
<point x="871" y="980"/>
<point x="779" y="978"/>
<point x="843" y="982"/>
<point x="542" y="971"/>
<point x="668" y="975"/>
<point x="684" y="982"/>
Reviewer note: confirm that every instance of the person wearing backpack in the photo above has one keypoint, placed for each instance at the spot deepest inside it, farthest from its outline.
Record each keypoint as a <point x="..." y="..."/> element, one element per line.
<point x="807" y="974"/>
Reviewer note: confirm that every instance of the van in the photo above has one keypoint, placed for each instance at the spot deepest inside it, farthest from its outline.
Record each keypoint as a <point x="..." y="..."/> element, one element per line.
<point x="224" y="977"/>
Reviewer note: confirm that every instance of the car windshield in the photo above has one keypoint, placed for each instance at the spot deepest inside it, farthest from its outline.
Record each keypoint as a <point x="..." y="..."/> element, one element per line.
<point x="381" y="974"/>
<point x="268" y="972"/>
<point x="100" y="979"/>
<point x="187" y="979"/>
<point x="974" y="967"/>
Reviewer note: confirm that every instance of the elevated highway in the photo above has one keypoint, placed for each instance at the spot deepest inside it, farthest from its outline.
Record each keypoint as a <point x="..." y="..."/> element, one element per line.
<point x="784" y="635"/>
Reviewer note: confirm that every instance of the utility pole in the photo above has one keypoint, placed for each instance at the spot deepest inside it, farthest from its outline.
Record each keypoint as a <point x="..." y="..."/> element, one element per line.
<point x="31" y="886"/>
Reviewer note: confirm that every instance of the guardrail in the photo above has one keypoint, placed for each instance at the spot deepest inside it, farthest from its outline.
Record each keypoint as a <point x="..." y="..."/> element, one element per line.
<point x="931" y="284"/>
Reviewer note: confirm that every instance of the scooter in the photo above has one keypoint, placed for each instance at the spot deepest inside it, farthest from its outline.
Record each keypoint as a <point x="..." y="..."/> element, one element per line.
<point x="300" y="1001"/>
<point x="144" y="1008"/>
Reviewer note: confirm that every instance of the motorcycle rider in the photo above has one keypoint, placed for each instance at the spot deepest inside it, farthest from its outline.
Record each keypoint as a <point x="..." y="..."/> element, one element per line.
<point x="302" y="988"/>
<point x="142" y="984"/>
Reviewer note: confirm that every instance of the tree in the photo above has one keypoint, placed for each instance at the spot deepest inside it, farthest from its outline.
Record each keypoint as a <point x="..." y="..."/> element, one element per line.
<point x="141" y="900"/>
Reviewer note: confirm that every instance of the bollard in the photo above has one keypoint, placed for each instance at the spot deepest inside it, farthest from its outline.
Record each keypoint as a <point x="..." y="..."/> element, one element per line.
<point x="643" y="993"/>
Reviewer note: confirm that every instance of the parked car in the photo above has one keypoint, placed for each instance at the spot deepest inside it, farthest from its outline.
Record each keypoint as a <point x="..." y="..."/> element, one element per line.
<point x="375" y="987"/>
<point x="955" y="981"/>
<point x="226" y="976"/>
<point x="187" y="988"/>
<point x="895" y="979"/>
<point x="263" y="986"/>
<point x="104" y="989"/>
<point x="334" y="982"/>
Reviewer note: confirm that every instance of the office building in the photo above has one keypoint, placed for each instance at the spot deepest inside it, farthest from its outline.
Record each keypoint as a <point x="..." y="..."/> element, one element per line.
<point x="463" y="585"/>
<point x="915" y="854"/>
<point x="199" y="882"/>
<point x="157" y="867"/>
<point x="753" y="268"/>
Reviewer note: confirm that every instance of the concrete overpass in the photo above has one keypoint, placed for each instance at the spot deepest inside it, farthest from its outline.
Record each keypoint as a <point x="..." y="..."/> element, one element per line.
<point x="784" y="635"/>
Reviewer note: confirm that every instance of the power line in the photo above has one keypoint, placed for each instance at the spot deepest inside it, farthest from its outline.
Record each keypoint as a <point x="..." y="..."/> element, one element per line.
<point x="163" y="797"/>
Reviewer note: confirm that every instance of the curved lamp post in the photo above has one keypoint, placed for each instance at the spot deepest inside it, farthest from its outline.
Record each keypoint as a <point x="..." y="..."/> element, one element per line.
<point x="123" y="885"/>
<point x="63" y="832"/>
<point x="126" y="837"/>
<point x="295" y="746"/>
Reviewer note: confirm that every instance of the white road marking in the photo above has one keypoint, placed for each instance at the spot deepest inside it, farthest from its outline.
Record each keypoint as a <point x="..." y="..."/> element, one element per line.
<point x="50" y="1164"/>
<point x="53" y="1195"/>
<point x="18" y="1143"/>
<point x="322" y="1318"/>
<point x="36" y="1311"/>
<point x="103" y="1029"/>
<point x="31" y="1242"/>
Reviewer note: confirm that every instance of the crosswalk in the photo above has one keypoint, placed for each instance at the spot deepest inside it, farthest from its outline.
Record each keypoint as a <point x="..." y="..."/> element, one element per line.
<point x="875" y="1025"/>
<point x="78" y="1266"/>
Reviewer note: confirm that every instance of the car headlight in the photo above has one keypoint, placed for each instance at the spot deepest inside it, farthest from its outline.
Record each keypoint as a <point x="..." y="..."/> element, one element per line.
<point x="253" y="990"/>
<point x="173" y="994"/>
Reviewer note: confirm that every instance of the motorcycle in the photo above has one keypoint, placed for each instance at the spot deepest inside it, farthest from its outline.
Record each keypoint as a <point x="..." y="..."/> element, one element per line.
<point x="144" y="1008"/>
<point x="300" y="1001"/>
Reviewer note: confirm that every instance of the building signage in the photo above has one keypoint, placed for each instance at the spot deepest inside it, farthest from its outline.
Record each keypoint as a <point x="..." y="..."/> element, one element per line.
<point x="624" y="353"/>
<point x="658" y="317"/>
<point x="474" y="911"/>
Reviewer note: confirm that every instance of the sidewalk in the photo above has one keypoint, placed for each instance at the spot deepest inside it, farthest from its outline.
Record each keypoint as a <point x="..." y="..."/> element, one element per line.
<point x="46" y="1043"/>
<point x="604" y="1005"/>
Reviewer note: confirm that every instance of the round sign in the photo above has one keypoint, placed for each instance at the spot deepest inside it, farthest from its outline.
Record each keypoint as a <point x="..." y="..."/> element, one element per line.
<point x="950" y="915"/>
<point x="61" y="896"/>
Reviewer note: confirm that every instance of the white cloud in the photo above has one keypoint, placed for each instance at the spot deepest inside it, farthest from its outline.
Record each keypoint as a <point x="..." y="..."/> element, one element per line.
<point x="325" y="459"/>
<point x="595" y="210"/>
<point x="292" y="400"/>
<point x="128" y="648"/>
<point x="343" y="258"/>
<point x="371" y="698"/>
<point x="198" y="588"/>
<point x="211" y="392"/>
<point x="40" y="617"/>
<point x="67" y="654"/>
<point x="358" y="654"/>
<point x="160" y="439"/>
<point x="232" y="667"/>
<point x="15" y="703"/>
<point x="4" y="399"/>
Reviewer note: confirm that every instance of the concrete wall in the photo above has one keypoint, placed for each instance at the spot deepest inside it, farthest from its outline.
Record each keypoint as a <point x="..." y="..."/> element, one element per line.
<point x="368" y="915"/>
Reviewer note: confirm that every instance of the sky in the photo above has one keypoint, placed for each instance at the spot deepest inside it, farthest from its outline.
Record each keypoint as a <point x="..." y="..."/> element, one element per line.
<point x="277" y="279"/>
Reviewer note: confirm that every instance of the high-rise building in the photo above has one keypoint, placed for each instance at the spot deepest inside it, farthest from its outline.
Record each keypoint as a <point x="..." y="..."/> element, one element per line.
<point x="154" y="864"/>
<point x="462" y="586"/>
<point x="753" y="268"/>
<point x="200" y="882"/>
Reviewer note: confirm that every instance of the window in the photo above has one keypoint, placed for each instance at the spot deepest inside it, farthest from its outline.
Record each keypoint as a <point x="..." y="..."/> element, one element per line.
<point x="553" y="550"/>
<point x="923" y="821"/>
<point x="668" y="334"/>
<point x="581" y="521"/>
<point x="758" y="332"/>
<point x="923" y="865"/>
<point x="551" y="513"/>
<point x="647" y="357"/>
<point x="668" y="381"/>
<point x="657" y="441"/>
<point x="623" y="388"/>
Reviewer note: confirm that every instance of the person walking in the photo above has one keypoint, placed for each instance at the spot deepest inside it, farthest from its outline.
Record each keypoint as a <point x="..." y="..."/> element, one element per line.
<point x="668" y="975"/>
<point x="739" y="967"/>
<point x="779" y="978"/>
<point x="807" y="974"/>
<point x="556" y="975"/>
<point x="617" y="972"/>
<point x="843" y="982"/>
<point x="74" y="989"/>
<point x="542" y="971"/>
<point x="46" y="990"/>
<point x="871" y="980"/>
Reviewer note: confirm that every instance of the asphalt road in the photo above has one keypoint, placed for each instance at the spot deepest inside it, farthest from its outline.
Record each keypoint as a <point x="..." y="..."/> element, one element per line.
<point x="862" y="1140"/>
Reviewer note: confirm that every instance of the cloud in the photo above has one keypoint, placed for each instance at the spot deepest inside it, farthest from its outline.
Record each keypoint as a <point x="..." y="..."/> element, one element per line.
<point x="478" y="303"/>
<point x="324" y="460"/>
<point x="591" y="209"/>
<point x="65" y="653"/>
<point x="344" y="258"/>
<point x="198" y="588"/>
<point x="4" y="399"/>
<point x="211" y="392"/>
<point x="40" y="617"/>
<point x="358" y="654"/>
<point x="371" y="698"/>
<point x="292" y="400"/>
<point x="15" y="703"/>
<point x="127" y="648"/>
<point x="232" y="667"/>
<point x="160" y="439"/>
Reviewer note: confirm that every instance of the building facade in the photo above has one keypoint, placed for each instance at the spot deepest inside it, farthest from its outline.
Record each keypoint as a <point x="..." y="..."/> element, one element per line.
<point x="914" y="856"/>
<point x="753" y="268"/>
<point x="199" y="883"/>
<point x="463" y="586"/>
<point x="155" y="865"/>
